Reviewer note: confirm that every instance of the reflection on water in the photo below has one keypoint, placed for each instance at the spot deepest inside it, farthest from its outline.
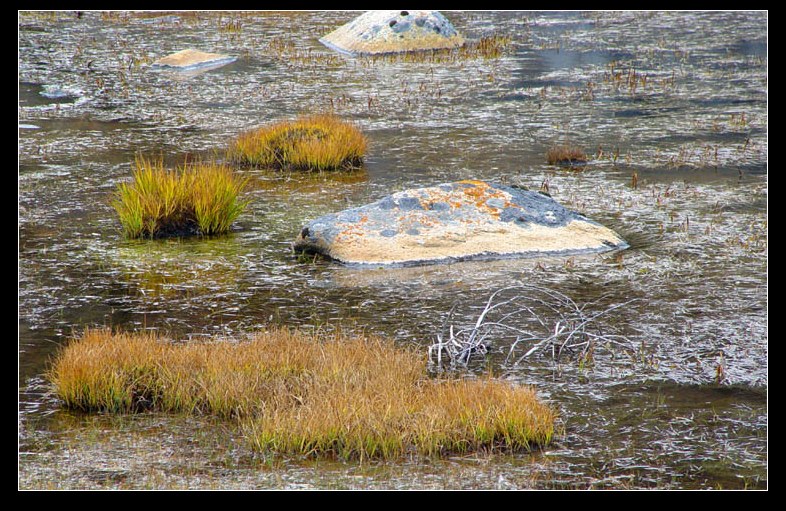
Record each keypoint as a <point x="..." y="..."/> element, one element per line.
<point x="679" y="99"/>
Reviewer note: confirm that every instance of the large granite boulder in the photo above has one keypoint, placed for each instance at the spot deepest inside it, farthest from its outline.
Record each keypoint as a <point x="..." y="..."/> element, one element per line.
<point x="185" y="60"/>
<point x="379" y="32"/>
<point x="454" y="221"/>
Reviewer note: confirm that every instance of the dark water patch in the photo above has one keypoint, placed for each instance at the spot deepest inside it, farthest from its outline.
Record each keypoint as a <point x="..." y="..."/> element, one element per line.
<point x="37" y="344"/>
<point x="631" y="113"/>
<point x="755" y="48"/>
<point x="684" y="433"/>
<point x="709" y="175"/>
<point x="720" y="101"/>
<point x="88" y="124"/>
<point x="754" y="203"/>
<point x="717" y="397"/>
<point x="637" y="239"/>
<point x="534" y="83"/>
<point x="721" y="138"/>
<point x="533" y="66"/>
<point x="36" y="94"/>
<point x="553" y="60"/>
<point x="255" y="68"/>
<point x="31" y="27"/>
<point x="676" y="138"/>
<point x="754" y="169"/>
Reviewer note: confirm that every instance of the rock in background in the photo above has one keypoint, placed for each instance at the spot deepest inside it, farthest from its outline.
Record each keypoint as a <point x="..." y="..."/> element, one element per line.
<point x="193" y="59"/>
<point x="379" y="32"/>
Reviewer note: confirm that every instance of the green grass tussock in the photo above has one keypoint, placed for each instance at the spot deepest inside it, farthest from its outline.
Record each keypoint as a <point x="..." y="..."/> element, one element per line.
<point x="201" y="198"/>
<point x="304" y="394"/>
<point x="314" y="143"/>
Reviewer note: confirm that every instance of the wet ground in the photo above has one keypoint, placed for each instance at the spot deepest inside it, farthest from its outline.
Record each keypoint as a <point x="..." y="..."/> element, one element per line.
<point x="676" y="103"/>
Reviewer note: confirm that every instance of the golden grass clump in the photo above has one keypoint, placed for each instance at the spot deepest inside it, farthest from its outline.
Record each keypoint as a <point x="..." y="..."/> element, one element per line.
<point x="198" y="198"/>
<point x="565" y="154"/>
<point x="314" y="142"/>
<point x="304" y="394"/>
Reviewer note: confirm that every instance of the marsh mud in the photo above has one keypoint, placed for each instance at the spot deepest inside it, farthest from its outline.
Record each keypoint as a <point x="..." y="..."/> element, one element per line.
<point x="671" y="109"/>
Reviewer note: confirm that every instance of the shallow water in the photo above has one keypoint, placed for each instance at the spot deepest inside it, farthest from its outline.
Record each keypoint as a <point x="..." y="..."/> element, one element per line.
<point x="694" y="131"/>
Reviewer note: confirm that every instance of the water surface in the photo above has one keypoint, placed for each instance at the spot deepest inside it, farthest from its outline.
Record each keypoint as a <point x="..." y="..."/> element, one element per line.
<point x="678" y="99"/>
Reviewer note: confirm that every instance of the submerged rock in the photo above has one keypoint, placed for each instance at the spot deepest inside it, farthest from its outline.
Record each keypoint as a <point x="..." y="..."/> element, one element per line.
<point x="454" y="221"/>
<point x="378" y="32"/>
<point x="193" y="59"/>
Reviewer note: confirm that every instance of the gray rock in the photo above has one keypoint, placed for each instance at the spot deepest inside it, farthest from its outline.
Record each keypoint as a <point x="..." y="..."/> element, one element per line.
<point x="379" y="32"/>
<point x="460" y="220"/>
<point x="192" y="59"/>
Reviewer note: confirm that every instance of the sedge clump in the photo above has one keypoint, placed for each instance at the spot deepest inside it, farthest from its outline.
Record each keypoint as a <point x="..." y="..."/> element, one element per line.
<point x="199" y="198"/>
<point x="313" y="143"/>
<point x="565" y="155"/>
<point x="296" y="393"/>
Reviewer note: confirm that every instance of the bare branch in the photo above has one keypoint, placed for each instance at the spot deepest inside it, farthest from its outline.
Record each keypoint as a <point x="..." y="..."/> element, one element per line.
<point x="536" y="318"/>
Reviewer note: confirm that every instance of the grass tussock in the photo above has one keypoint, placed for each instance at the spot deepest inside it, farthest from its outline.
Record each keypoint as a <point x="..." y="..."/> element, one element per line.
<point x="565" y="155"/>
<point x="314" y="142"/>
<point x="201" y="198"/>
<point x="304" y="394"/>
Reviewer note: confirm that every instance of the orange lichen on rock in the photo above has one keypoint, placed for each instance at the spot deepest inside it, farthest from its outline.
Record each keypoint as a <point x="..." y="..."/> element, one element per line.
<point x="454" y="220"/>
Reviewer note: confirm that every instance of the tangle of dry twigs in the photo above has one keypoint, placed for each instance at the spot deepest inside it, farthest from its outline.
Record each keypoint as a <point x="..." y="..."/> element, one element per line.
<point x="534" y="319"/>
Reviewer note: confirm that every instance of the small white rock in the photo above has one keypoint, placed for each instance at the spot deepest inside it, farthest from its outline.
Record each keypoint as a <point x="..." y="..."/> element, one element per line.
<point x="192" y="59"/>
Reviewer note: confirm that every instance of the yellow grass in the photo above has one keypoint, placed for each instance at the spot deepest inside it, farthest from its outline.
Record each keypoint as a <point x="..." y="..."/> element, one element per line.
<point x="199" y="198"/>
<point x="298" y="393"/>
<point x="314" y="142"/>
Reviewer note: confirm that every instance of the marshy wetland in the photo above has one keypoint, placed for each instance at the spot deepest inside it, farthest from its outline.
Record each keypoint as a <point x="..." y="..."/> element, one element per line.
<point x="670" y="110"/>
